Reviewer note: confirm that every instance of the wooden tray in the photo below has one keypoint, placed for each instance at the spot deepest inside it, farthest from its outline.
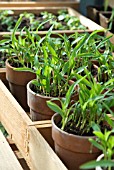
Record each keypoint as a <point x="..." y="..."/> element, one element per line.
<point x="36" y="10"/>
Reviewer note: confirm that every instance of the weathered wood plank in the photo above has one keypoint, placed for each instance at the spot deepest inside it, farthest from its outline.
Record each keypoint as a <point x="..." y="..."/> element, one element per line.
<point x="45" y="128"/>
<point x="74" y="4"/>
<point x="8" y="160"/>
<point x="13" y="118"/>
<point x="41" y="155"/>
<point x="17" y="153"/>
<point x="26" y="136"/>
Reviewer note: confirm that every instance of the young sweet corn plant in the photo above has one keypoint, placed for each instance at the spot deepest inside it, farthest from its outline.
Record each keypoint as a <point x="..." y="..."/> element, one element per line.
<point x="104" y="142"/>
<point x="21" y="49"/>
<point x="92" y="105"/>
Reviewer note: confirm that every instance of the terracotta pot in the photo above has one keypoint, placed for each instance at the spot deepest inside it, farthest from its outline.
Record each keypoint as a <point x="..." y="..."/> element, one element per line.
<point x="38" y="104"/>
<point x="94" y="11"/>
<point x="104" y="20"/>
<point x="17" y="84"/>
<point x="73" y="150"/>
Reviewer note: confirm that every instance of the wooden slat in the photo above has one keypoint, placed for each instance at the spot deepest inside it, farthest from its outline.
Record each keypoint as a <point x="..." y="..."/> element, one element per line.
<point x="17" y="153"/>
<point x="36" y="10"/>
<point x="41" y="155"/>
<point x="13" y="118"/>
<point x="45" y="128"/>
<point x="74" y="4"/>
<point x="40" y="123"/>
<point x="27" y="138"/>
<point x="8" y="160"/>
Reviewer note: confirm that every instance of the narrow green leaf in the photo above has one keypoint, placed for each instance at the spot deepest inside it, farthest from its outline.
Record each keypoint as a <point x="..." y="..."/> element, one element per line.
<point x="24" y="69"/>
<point x="16" y="27"/>
<point x="96" y="144"/>
<point x="103" y="41"/>
<point x="55" y="108"/>
<point x="102" y="163"/>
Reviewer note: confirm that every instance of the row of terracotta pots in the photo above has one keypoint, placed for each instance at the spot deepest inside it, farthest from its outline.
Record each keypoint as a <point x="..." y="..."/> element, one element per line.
<point x="18" y="80"/>
<point x="73" y="150"/>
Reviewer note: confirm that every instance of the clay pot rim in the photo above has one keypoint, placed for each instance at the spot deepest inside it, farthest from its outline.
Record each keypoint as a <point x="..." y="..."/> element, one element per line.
<point x="80" y="144"/>
<point x="11" y="67"/>
<point x="37" y="94"/>
<point x="8" y="64"/>
<point x="66" y="133"/>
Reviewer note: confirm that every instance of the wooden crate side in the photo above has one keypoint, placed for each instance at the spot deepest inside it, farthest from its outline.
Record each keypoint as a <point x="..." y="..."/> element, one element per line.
<point x="7" y="158"/>
<point x="27" y="138"/>
<point x="74" y="4"/>
<point x="36" y="10"/>
<point x="40" y="153"/>
<point x="42" y="33"/>
<point x="13" y="118"/>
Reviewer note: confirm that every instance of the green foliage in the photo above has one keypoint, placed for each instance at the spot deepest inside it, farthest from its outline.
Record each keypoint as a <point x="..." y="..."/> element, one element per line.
<point x="21" y="49"/>
<point x="111" y="20"/>
<point x="55" y="61"/>
<point x="91" y="106"/>
<point x="64" y="111"/>
<point x="32" y="21"/>
<point x="102" y="163"/>
<point x="106" y="5"/>
<point x="6" y="19"/>
<point x="105" y="143"/>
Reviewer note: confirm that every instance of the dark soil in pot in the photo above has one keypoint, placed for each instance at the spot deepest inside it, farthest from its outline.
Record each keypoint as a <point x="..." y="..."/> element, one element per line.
<point x="38" y="103"/>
